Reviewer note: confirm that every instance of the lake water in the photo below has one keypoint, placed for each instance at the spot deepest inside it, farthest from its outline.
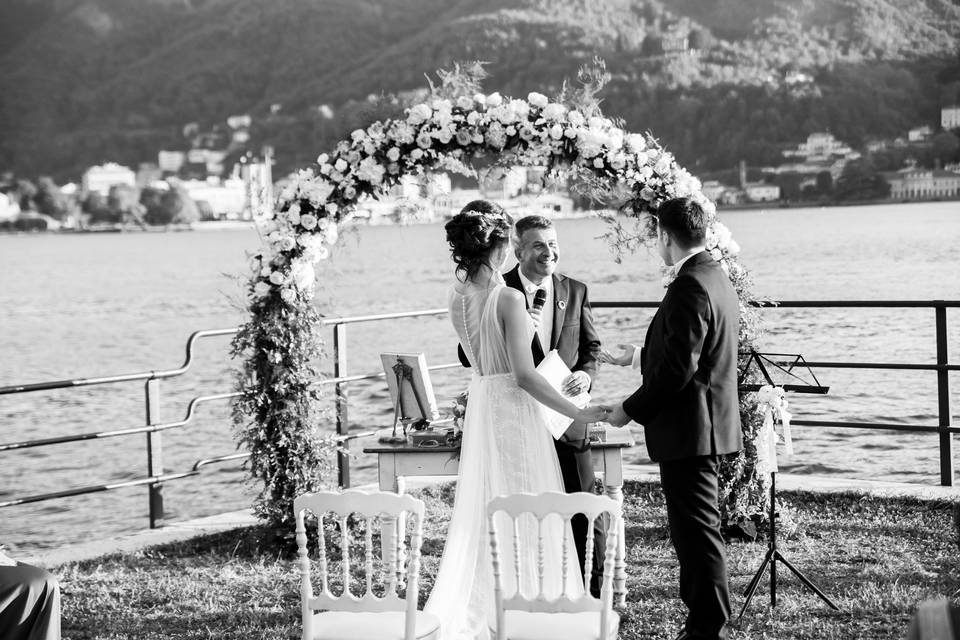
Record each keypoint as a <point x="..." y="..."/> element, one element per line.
<point x="98" y="304"/>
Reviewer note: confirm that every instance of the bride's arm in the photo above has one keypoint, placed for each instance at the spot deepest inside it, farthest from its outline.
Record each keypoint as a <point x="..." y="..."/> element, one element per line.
<point x="514" y="316"/>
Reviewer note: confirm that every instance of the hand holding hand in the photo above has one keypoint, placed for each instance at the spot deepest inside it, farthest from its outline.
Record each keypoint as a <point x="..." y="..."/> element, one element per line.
<point x="624" y="359"/>
<point x="618" y="417"/>
<point x="576" y="383"/>
<point x="593" y="413"/>
<point x="537" y="315"/>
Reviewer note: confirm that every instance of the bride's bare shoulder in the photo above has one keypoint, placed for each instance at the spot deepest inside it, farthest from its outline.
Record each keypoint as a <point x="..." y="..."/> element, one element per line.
<point x="512" y="296"/>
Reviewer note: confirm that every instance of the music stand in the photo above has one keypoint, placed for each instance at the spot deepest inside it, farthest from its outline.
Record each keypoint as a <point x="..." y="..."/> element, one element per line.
<point x="789" y="367"/>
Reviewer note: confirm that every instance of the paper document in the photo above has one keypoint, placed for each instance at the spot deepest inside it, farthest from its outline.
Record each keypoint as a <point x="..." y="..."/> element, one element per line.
<point x="555" y="371"/>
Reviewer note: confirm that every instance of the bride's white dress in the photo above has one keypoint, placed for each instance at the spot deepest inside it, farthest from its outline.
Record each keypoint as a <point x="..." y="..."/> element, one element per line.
<point x="506" y="449"/>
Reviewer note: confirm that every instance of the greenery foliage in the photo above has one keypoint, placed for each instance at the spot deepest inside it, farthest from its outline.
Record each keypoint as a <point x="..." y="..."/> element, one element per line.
<point x="279" y="418"/>
<point x="136" y="74"/>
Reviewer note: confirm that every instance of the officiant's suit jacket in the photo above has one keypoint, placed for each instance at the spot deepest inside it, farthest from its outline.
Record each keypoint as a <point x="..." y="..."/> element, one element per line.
<point x="688" y="403"/>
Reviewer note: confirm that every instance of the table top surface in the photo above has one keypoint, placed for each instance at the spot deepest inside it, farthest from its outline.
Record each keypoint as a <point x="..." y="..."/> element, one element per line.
<point x="615" y="439"/>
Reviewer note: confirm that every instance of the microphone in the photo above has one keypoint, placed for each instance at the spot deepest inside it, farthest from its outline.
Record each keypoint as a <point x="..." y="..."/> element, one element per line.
<point x="539" y="298"/>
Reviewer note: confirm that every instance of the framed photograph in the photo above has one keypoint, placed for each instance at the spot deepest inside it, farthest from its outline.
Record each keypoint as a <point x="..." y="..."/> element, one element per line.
<point x="415" y="390"/>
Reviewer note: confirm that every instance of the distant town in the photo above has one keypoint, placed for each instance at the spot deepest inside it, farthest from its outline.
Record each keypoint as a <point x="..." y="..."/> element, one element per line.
<point x="194" y="187"/>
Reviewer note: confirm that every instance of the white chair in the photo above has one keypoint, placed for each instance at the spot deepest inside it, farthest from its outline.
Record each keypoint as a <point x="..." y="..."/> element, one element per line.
<point x="367" y="617"/>
<point x="534" y="617"/>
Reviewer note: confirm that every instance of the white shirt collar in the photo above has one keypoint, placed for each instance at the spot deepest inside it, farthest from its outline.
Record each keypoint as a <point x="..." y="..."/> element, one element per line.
<point x="679" y="263"/>
<point x="530" y="288"/>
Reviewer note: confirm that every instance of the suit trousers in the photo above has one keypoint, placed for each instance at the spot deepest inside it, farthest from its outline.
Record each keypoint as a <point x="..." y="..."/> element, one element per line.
<point x="29" y="604"/>
<point x="576" y="467"/>
<point x="693" y="512"/>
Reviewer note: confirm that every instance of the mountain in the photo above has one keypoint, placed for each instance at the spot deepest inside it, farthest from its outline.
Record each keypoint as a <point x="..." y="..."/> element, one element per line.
<point x="86" y="81"/>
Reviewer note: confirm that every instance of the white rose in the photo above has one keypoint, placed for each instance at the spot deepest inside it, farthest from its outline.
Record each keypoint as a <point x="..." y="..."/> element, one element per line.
<point x="349" y="193"/>
<point x="419" y="114"/>
<point x="716" y="254"/>
<point x="443" y="136"/>
<point x="358" y="135"/>
<point x="576" y="118"/>
<point x="477" y="138"/>
<point x="494" y="100"/>
<point x="265" y="272"/>
<point x="332" y="208"/>
<point x="537" y="99"/>
<point x="424" y="141"/>
<point x="598" y="163"/>
<point x="554" y="111"/>
<point x="322" y="159"/>
<point x="393" y="154"/>
<point x="556" y="132"/>
<point x="287" y="243"/>
<point x="636" y="142"/>
<point x="416" y="154"/>
<point x="261" y="289"/>
<point x="340" y="165"/>
<point x="473" y="118"/>
<point x="288" y="295"/>
<point x="465" y="103"/>
<point x="308" y="221"/>
<point x="277" y="278"/>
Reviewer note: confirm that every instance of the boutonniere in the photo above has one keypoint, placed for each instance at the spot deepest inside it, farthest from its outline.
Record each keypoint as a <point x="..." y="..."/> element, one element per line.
<point x="561" y="304"/>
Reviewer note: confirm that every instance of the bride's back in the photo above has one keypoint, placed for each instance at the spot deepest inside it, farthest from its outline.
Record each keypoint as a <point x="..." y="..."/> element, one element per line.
<point x="473" y="311"/>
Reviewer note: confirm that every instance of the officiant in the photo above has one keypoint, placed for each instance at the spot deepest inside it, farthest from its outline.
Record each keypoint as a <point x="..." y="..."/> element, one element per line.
<point x="564" y="321"/>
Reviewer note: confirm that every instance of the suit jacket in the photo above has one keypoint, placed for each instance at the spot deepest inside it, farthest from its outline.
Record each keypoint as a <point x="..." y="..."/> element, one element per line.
<point x="574" y="335"/>
<point x="688" y="402"/>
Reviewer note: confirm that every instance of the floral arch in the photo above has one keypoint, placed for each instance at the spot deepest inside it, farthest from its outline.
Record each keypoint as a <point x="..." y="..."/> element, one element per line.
<point x="279" y="414"/>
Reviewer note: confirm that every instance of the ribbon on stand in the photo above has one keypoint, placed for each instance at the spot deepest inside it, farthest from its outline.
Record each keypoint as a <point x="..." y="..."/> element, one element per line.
<point x="772" y="403"/>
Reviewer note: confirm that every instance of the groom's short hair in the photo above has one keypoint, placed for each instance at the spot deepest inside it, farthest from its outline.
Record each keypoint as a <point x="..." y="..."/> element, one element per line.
<point x="526" y="223"/>
<point x="684" y="220"/>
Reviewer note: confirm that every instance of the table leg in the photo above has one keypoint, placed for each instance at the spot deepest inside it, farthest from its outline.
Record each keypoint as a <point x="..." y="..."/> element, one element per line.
<point x="613" y="487"/>
<point x="389" y="526"/>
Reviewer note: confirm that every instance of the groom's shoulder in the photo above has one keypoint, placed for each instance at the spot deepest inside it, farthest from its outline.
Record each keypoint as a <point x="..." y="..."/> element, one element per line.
<point x="573" y="283"/>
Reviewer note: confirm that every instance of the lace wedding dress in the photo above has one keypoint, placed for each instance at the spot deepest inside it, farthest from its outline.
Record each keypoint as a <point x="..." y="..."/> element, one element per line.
<point x="506" y="449"/>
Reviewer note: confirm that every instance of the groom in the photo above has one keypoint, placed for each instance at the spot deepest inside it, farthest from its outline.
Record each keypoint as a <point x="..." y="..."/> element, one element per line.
<point x="564" y="323"/>
<point x="689" y="408"/>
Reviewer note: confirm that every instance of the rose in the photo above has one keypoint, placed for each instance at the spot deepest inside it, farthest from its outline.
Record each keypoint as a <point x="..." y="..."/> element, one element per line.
<point x="277" y="278"/>
<point x="358" y="135"/>
<point x="473" y="118"/>
<point x="424" y="140"/>
<point x="443" y="136"/>
<point x="716" y="254"/>
<point x="393" y="154"/>
<point x="293" y="213"/>
<point x="261" y="289"/>
<point x="371" y="171"/>
<point x="494" y="100"/>
<point x="340" y="165"/>
<point x="287" y="243"/>
<point x="308" y="221"/>
<point x="288" y="295"/>
<point x="318" y="191"/>
<point x="554" y="111"/>
<point x="598" y="163"/>
<point x="556" y="132"/>
<point x="465" y="103"/>
<point x="419" y="114"/>
<point x="636" y="142"/>
<point x="416" y="154"/>
<point x="463" y="137"/>
<point x="332" y="208"/>
<point x="537" y="99"/>
<point x="322" y="159"/>
<point x="576" y="118"/>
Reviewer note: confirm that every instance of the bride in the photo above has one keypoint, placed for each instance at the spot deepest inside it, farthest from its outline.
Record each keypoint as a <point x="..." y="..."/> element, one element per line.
<point x="507" y="447"/>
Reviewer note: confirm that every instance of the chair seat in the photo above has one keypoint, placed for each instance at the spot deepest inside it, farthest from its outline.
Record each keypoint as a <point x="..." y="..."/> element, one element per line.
<point x="363" y="625"/>
<point x="528" y="625"/>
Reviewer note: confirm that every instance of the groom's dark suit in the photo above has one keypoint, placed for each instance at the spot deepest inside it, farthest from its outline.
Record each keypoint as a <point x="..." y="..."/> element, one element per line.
<point x="575" y="339"/>
<point x="689" y="408"/>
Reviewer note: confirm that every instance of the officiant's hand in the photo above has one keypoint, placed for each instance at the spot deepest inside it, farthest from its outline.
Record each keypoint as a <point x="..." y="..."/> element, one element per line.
<point x="576" y="383"/>
<point x="618" y="417"/>
<point x="625" y="358"/>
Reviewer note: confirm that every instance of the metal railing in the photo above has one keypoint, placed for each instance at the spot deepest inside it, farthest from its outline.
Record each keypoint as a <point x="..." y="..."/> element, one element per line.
<point x="341" y="380"/>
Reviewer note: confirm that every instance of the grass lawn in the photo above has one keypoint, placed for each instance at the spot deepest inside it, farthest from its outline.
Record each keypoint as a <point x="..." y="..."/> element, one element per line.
<point x="875" y="557"/>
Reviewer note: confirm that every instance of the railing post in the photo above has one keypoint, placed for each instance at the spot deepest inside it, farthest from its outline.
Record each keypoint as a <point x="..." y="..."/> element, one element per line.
<point x="943" y="397"/>
<point x="154" y="452"/>
<point x="340" y="390"/>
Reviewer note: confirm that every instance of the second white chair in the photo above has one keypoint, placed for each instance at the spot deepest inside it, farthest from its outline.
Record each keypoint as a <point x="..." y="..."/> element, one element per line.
<point x="367" y="617"/>
<point x="534" y="616"/>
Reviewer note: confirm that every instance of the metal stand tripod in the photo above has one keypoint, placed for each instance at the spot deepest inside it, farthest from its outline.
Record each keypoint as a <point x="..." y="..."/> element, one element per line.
<point x="773" y="554"/>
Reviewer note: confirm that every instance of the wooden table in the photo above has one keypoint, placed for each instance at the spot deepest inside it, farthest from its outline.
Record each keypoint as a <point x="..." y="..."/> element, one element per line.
<point x="396" y="462"/>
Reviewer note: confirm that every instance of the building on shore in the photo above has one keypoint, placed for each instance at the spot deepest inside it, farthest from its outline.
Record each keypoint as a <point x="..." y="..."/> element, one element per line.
<point x="761" y="192"/>
<point x="100" y="178"/>
<point x="822" y="146"/>
<point x="950" y="117"/>
<point x="922" y="184"/>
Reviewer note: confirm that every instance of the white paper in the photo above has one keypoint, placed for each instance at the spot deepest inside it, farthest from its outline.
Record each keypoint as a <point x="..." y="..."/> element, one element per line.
<point x="555" y="371"/>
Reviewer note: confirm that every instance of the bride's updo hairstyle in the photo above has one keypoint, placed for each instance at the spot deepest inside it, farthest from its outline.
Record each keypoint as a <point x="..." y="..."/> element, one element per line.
<point x="479" y="228"/>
